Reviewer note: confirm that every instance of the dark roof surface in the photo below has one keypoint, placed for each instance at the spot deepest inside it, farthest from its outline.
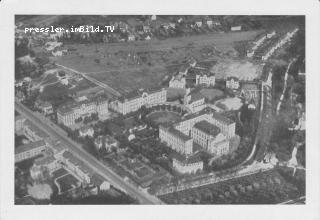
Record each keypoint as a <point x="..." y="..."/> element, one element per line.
<point x="207" y="128"/>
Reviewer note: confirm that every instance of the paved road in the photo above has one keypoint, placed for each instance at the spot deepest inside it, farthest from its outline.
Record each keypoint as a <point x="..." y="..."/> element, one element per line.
<point x="56" y="132"/>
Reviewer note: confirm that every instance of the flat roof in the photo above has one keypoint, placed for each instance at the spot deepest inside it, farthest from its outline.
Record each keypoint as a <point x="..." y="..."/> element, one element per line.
<point x="207" y="128"/>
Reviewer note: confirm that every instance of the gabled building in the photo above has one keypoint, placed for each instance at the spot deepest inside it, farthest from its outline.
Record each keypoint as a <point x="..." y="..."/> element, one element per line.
<point x="107" y="142"/>
<point x="133" y="101"/>
<point x="250" y="91"/>
<point x="178" y="81"/>
<point x="32" y="132"/>
<point x="86" y="131"/>
<point x="185" y="165"/>
<point x="194" y="100"/>
<point x="232" y="83"/>
<point x="69" y="112"/>
<point x="29" y="150"/>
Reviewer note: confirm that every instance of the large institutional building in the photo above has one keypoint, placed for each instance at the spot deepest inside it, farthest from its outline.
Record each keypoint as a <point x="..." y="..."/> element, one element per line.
<point x="68" y="113"/>
<point x="29" y="150"/>
<point x="210" y="130"/>
<point x="135" y="100"/>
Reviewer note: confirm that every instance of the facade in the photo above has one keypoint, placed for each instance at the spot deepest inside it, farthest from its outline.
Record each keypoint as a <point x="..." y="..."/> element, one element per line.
<point x="250" y="91"/>
<point x="194" y="101"/>
<point x="47" y="163"/>
<point x="86" y="131"/>
<point x="100" y="182"/>
<point x="236" y="28"/>
<point x="77" y="167"/>
<point x="68" y="113"/>
<point x="232" y="83"/>
<point x="226" y="125"/>
<point x="32" y="132"/>
<point x="45" y="107"/>
<point x="29" y="150"/>
<point x="210" y="138"/>
<point x="19" y="123"/>
<point x="176" y="140"/>
<point x="135" y="100"/>
<point x="187" y="165"/>
<point x="177" y="81"/>
<point x="107" y="142"/>
<point x="206" y="79"/>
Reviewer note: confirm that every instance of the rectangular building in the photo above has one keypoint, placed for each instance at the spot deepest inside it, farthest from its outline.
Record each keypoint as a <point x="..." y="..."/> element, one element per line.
<point x="68" y="113"/>
<point x="176" y="140"/>
<point x="29" y="150"/>
<point x="135" y="100"/>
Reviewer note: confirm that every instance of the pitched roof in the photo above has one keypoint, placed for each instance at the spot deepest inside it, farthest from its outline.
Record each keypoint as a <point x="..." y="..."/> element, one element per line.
<point x="35" y="129"/>
<point x="176" y="133"/>
<point x="97" y="179"/>
<point x="222" y="118"/>
<point x="29" y="146"/>
<point x="195" y="158"/>
<point x="77" y="162"/>
<point x="207" y="128"/>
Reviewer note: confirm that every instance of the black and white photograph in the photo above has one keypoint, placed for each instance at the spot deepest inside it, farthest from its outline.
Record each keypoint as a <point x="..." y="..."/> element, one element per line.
<point x="157" y="109"/>
<point x="198" y="109"/>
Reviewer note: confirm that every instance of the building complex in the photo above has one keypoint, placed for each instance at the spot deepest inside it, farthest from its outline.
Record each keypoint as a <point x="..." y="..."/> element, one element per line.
<point x="135" y="100"/>
<point x="68" y="113"/>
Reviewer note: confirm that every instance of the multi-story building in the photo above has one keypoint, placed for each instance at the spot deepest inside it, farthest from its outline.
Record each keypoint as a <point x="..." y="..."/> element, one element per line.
<point x="32" y="132"/>
<point x="86" y="131"/>
<point x="19" y="123"/>
<point x="135" y="100"/>
<point x="68" y="113"/>
<point x="29" y="150"/>
<point x="208" y="79"/>
<point x="176" y="140"/>
<point x="178" y="81"/>
<point x="226" y="125"/>
<point x="187" y="165"/>
<point x="210" y="138"/>
<point x="107" y="142"/>
<point x="76" y="167"/>
<point x="250" y="91"/>
<point x="194" y="100"/>
<point x="232" y="83"/>
<point x="44" y="107"/>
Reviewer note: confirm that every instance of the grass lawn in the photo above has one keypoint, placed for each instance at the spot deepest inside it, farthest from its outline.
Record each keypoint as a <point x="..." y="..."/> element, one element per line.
<point x="211" y="94"/>
<point x="163" y="117"/>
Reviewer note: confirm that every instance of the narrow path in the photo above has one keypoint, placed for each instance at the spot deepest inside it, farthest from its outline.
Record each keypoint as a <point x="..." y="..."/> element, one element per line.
<point x="284" y="87"/>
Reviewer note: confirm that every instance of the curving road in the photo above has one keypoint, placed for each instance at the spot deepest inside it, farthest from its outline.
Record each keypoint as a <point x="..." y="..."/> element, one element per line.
<point x="57" y="133"/>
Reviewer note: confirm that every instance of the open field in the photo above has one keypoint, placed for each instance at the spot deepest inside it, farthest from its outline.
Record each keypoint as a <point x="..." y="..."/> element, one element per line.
<point x="131" y="65"/>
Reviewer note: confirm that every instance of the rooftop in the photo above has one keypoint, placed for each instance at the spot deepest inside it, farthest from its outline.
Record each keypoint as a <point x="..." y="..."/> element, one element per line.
<point x="29" y="146"/>
<point x="176" y="133"/>
<point x="186" y="159"/>
<point x="249" y="86"/>
<point x="35" y="129"/>
<point x="44" y="160"/>
<point x="208" y="128"/>
<point x="77" y="162"/>
<point x="222" y="118"/>
<point x="137" y="93"/>
<point x="97" y="179"/>
<point x="70" y="106"/>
